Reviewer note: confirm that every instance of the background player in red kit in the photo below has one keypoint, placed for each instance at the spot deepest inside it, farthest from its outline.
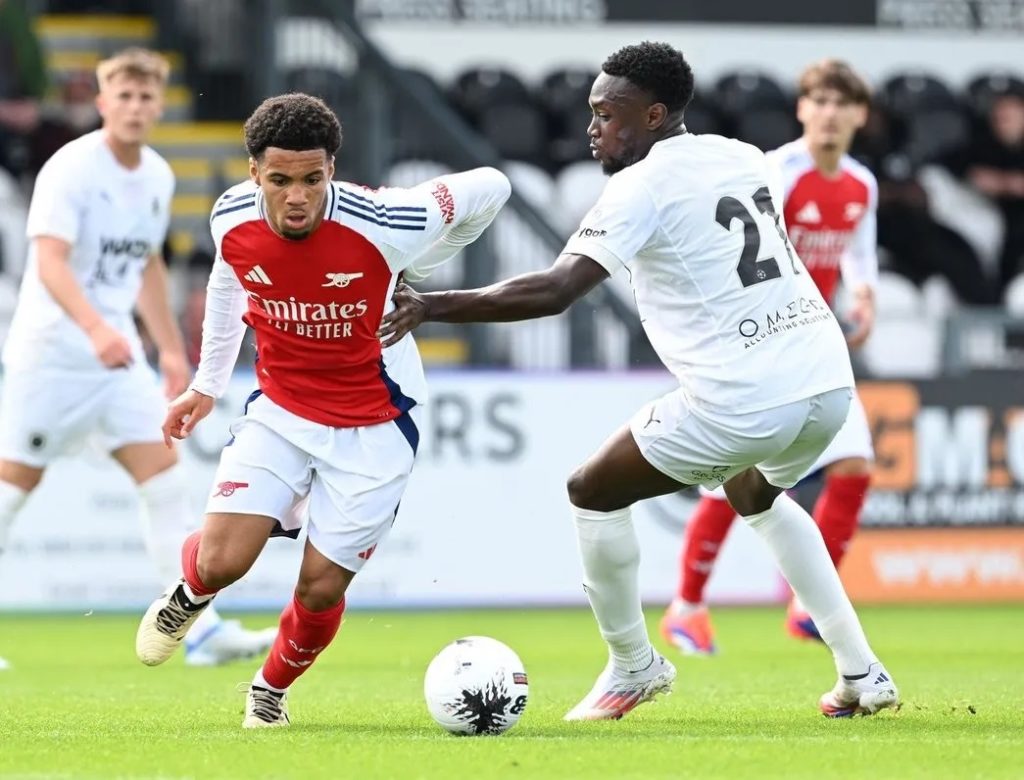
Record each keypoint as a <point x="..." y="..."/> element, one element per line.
<point x="830" y="204"/>
<point x="330" y="435"/>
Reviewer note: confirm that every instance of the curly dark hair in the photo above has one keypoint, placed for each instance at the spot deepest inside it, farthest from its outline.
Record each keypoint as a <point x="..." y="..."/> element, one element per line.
<point x="296" y="121"/>
<point x="656" y="68"/>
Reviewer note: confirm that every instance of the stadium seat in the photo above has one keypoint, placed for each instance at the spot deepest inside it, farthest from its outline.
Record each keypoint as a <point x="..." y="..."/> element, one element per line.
<point x="982" y="90"/>
<point x="1014" y="296"/>
<point x="904" y="348"/>
<point x="766" y="128"/>
<point x="564" y="97"/>
<point x="701" y="115"/>
<point x="325" y="83"/>
<point x="938" y="297"/>
<point x="896" y="297"/>
<point x="477" y="89"/>
<point x="577" y="188"/>
<point x="914" y="92"/>
<point x="750" y="90"/>
<point x="517" y="130"/>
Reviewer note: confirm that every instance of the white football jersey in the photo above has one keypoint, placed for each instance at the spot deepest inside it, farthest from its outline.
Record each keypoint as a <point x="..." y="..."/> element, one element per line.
<point x="115" y="219"/>
<point x="725" y="302"/>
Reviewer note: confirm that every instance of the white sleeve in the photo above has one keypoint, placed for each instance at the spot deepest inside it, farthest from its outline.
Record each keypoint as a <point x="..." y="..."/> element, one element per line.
<point x="859" y="263"/>
<point x="223" y="330"/>
<point x="58" y="201"/>
<point x="618" y="226"/>
<point x="468" y="203"/>
<point x="164" y="223"/>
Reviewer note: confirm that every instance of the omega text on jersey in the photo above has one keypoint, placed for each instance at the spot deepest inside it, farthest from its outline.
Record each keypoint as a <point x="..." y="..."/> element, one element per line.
<point x="797" y="313"/>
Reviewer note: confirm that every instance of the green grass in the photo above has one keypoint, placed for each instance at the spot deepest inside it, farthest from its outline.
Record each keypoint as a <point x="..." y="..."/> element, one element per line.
<point x="78" y="704"/>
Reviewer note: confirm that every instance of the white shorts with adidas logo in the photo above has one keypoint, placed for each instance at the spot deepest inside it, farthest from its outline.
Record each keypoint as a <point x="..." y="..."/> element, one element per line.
<point x="345" y="484"/>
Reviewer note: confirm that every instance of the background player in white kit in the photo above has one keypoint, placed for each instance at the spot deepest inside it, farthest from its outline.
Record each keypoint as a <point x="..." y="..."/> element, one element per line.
<point x="331" y="433"/>
<point x="73" y="362"/>
<point x="830" y="213"/>
<point x="765" y="378"/>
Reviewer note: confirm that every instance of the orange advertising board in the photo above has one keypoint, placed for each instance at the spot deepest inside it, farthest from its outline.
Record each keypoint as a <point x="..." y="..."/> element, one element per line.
<point x="935" y="564"/>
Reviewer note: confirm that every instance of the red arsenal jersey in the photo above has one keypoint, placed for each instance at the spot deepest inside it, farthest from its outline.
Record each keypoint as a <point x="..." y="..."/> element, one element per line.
<point x="315" y="304"/>
<point x="830" y="219"/>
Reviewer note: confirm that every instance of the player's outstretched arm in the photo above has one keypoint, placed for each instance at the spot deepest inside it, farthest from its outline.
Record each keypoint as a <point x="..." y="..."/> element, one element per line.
<point x="523" y="297"/>
<point x="53" y="256"/>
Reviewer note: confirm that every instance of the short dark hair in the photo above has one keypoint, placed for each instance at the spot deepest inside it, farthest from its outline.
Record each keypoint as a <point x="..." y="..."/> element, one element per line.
<point x="296" y="121"/>
<point x="837" y="75"/>
<point x="656" y="68"/>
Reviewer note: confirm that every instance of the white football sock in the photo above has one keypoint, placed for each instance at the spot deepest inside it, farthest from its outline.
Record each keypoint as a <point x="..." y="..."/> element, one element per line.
<point x="260" y="682"/>
<point x="800" y="553"/>
<point x="611" y="564"/>
<point x="12" y="498"/>
<point x="165" y="513"/>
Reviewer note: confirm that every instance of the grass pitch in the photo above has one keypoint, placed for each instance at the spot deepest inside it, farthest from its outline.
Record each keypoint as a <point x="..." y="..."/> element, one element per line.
<point x="78" y="705"/>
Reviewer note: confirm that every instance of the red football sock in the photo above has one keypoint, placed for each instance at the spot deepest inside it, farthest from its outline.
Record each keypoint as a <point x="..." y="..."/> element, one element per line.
<point x="301" y="636"/>
<point x="189" y="556"/>
<point x="704" y="535"/>
<point x="837" y="511"/>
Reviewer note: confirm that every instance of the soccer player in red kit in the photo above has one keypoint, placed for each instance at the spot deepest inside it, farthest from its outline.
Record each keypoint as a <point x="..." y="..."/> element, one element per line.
<point x="830" y="204"/>
<point x="329" y="436"/>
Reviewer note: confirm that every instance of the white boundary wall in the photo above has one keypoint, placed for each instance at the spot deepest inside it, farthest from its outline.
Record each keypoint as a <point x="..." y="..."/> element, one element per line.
<point x="484" y="523"/>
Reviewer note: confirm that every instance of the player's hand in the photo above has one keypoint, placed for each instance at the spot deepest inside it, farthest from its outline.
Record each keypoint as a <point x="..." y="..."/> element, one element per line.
<point x="184" y="413"/>
<point x="410" y="310"/>
<point x="110" y="346"/>
<point x="862" y="315"/>
<point x="175" y="370"/>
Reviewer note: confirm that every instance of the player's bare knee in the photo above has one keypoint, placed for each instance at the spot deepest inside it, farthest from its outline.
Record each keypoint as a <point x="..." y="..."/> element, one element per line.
<point x="585" y="491"/>
<point x="219" y="567"/>
<point x="321" y="593"/>
<point x="750" y="493"/>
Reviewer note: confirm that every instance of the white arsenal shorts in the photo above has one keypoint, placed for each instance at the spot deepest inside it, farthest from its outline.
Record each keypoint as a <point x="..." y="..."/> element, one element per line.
<point x="852" y="441"/>
<point x="45" y="413"/>
<point x="344" y="483"/>
<point x="702" y="447"/>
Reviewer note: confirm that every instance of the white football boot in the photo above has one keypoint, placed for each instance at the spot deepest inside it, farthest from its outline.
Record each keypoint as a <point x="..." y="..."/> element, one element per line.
<point x="227" y="641"/>
<point x="165" y="624"/>
<point x="4" y="664"/>
<point x="265" y="709"/>
<point x="864" y="695"/>
<point x="615" y="693"/>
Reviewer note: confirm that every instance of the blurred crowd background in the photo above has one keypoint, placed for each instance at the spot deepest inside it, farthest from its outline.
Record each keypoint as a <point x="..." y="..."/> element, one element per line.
<point x="423" y="87"/>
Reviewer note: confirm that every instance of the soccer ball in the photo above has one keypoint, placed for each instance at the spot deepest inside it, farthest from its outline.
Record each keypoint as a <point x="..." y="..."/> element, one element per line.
<point x="476" y="685"/>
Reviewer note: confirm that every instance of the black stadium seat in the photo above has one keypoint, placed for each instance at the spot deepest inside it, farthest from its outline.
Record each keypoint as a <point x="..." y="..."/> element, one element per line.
<point x="564" y="96"/>
<point x="767" y="128"/>
<point x="475" y="90"/>
<point x="933" y="133"/>
<point x="914" y="92"/>
<point x="985" y="88"/>
<point x="750" y="90"/>
<point x="325" y="83"/>
<point x="701" y="115"/>
<point x="517" y="130"/>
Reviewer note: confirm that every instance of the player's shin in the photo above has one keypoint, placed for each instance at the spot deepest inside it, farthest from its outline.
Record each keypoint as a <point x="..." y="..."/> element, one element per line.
<point x="301" y="637"/>
<point x="611" y="562"/>
<point x="800" y="553"/>
<point x="837" y="511"/>
<point x="12" y="498"/>
<point x="705" y="533"/>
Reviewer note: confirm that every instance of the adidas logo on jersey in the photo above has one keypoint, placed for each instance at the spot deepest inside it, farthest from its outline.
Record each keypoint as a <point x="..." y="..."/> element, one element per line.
<point x="809" y="213"/>
<point x="258" y="276"/>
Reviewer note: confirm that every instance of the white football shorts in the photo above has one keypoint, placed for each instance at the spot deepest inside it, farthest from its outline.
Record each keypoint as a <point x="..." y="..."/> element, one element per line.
<point x="698" y="446"/>
<point x="45" y="413"/>
<point x="852" y="441"/>
<point x="344" y="483"/>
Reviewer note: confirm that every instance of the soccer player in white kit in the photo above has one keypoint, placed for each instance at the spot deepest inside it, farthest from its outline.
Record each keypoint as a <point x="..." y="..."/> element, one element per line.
<point x="830" y="214"/>
<point x="73" y="362"/>
<point x="764" y="374"/>
<point x="329" y="437"/>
